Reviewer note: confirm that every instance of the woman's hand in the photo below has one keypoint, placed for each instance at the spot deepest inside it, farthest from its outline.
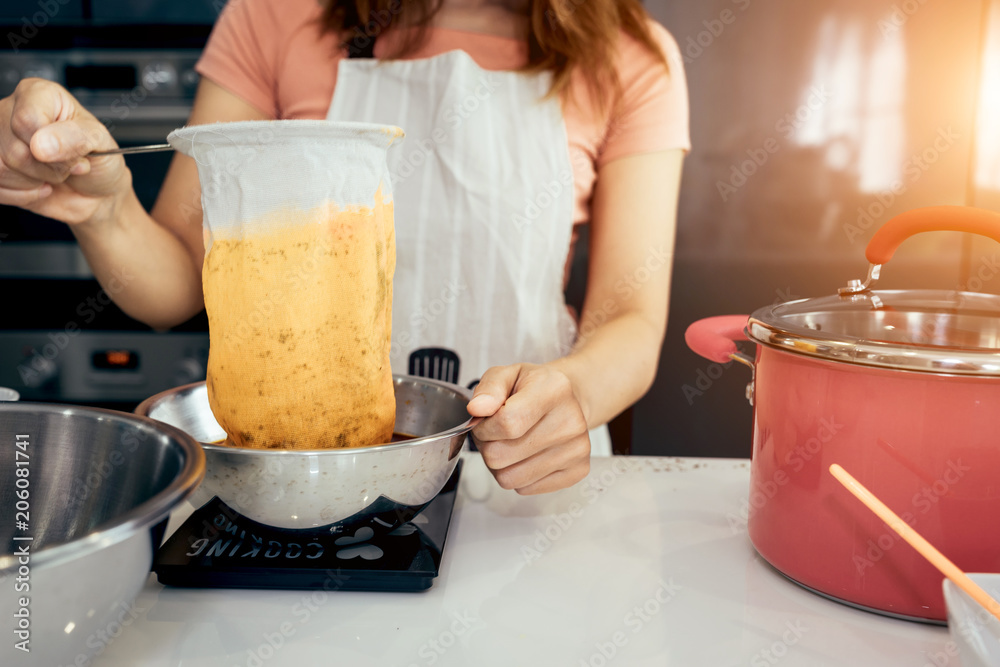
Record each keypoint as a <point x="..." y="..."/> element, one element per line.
<point x="534" y="436"/>
<point x="45" y="135"/>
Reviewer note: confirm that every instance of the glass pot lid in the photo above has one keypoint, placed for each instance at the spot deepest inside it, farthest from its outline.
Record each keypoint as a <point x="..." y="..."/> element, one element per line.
<point x="917" y="330"/>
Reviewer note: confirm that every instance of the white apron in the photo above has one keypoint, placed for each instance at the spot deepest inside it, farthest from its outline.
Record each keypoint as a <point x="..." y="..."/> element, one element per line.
<point x="483" y="200"/>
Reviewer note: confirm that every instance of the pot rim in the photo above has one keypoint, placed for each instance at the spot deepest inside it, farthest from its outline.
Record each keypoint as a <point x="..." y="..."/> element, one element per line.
<point x="768" y="327"/>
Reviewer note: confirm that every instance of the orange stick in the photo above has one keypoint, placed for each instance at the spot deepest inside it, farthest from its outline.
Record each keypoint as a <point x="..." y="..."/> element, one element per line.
<point x="914" y="539"/>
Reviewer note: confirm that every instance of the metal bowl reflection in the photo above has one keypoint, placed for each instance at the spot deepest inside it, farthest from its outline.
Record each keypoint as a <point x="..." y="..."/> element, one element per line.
<point x="379" y="487"/>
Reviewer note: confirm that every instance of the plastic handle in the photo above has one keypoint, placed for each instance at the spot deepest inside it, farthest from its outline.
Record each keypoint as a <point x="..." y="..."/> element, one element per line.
<point x="930" y="219"/>
<point x="714" y="337"/>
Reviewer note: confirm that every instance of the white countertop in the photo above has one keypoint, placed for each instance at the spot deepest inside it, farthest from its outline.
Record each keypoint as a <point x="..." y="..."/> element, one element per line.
<point x="637" y="565"/>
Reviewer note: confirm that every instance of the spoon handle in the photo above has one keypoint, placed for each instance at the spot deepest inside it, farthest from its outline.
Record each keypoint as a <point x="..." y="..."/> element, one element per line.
<point x="916" y="540"/>
<point x="153" y="148"/>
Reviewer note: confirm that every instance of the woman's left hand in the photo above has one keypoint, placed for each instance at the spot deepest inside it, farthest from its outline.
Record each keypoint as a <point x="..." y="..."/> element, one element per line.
<point x="534" y="436"/>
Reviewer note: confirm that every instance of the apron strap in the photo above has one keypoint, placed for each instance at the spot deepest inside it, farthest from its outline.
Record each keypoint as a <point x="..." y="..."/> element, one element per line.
<point x="366" y="51"/>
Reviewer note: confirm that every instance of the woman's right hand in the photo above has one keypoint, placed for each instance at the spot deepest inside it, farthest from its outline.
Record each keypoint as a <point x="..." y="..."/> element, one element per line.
<point x="45" y="135"/>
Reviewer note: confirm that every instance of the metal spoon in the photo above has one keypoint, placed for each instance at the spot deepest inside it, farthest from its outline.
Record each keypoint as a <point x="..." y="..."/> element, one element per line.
<point x="152" y="148"/>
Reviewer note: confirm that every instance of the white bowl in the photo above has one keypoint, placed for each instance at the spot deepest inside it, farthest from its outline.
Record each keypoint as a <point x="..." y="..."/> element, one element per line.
<point x="975" y="631"/>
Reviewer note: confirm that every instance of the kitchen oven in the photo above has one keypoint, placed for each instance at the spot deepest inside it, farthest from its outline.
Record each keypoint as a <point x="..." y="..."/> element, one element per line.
<point x="132" y="64"/>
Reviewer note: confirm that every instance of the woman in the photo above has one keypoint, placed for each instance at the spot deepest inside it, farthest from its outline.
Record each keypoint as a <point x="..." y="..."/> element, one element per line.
<point x="524" y="119"/>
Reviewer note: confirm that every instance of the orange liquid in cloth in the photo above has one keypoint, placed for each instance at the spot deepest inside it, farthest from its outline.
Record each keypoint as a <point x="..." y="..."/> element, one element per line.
<point x="300" y="325"/>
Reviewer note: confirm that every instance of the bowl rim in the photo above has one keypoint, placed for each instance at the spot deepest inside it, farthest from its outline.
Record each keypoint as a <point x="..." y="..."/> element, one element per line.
<point x="135" y="520"/>
<point x="144" y="408"/>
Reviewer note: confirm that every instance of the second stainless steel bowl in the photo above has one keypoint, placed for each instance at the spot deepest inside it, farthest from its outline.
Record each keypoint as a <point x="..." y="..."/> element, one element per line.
<point x="85" y="494"/>
<point x="379" y="487"/>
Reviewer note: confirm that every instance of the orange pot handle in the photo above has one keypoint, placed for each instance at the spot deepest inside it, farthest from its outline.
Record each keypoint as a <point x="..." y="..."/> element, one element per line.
<point x="930" y="219"/>
<point x="715" y="337"/>
<point x="891" y="235"/>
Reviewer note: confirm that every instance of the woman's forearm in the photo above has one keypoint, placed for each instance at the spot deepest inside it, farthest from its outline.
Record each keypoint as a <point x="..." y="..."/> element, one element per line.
<point x="143" y="266"/>
<point x="48" y="166"/>
<point x="624" y="315"/>
<point x="613" y="366"/>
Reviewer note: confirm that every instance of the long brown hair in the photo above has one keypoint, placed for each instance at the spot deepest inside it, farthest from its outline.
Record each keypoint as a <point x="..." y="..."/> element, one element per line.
<point x="565" y="35"/>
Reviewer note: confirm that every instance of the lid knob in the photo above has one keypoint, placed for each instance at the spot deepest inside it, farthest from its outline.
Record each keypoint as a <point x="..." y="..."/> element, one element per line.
<point x="855" y="286"/>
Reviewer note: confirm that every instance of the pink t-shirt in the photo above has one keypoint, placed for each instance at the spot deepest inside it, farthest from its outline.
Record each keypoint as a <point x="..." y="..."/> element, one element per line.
<point x="273" y="55"/>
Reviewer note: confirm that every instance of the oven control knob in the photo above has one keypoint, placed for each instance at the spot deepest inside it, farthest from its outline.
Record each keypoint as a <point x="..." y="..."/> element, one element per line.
<point x="37" y="371"/>
<point x="189" y="78"/>
<point x="189" y="370"/>
<point x="159" y="76"/>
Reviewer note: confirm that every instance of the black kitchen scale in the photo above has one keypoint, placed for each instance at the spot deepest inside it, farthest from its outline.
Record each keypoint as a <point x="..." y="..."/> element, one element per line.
<point x="218" y="548"/>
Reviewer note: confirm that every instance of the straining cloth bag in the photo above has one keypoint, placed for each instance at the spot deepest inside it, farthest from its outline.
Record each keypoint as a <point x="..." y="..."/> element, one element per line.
<point x="300" y="255"/>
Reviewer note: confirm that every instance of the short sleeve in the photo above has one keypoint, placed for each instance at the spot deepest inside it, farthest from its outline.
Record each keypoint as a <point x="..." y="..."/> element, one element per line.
<point x="243" y="52"/>
<point x="652" y="114"/>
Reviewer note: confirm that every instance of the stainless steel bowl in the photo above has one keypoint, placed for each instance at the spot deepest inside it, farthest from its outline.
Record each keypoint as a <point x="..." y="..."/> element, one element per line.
<point x="84" y="496"/>
<point x="378" y="487"/>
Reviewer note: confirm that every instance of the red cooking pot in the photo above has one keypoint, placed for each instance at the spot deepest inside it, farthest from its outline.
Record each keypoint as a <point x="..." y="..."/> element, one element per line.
<point x="902" y="388"/>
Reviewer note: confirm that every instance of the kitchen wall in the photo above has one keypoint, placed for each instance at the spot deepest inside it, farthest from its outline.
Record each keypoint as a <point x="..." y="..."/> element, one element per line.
<point x="812" y="124"/>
